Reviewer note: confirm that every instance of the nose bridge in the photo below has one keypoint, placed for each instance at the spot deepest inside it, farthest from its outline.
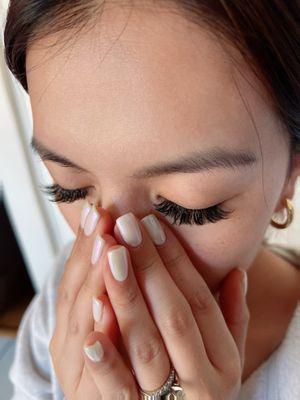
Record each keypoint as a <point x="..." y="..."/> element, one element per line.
<point x="126" y="198"/>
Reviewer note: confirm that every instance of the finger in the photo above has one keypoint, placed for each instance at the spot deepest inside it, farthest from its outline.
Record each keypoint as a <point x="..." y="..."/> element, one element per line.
<point x="73" y="325"/>
<point x="87" y="388"/>
<point x="80" y="319"/>
<point x="105" y="320"/>
<point x="140" y="335"/>
<point x="219" y="344"/>
<point x="235" y="310"/>
<point x="76" y="269"/>
<point x="111" y="376"/>
<point x="168" y="306"/>
<point x="108" y="325"/>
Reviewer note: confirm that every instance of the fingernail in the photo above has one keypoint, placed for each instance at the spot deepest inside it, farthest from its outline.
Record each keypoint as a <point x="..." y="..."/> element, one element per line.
<point x="154" y="228"/>
<point x="84" y="213"/>
<point x="98" y="247"/>
<point x="94" y="352"/>
<point x="97" y="309"/>
<point x="91" y="221"/>
<point x="129" y="229"/>
<point x="118" y="263"/>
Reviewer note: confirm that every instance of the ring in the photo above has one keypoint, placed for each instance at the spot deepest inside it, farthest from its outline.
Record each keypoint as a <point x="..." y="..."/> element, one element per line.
<point x="169" y="390"/>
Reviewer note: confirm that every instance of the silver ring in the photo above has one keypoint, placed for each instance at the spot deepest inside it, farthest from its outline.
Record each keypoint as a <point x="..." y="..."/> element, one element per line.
<point x="156" y="394"/>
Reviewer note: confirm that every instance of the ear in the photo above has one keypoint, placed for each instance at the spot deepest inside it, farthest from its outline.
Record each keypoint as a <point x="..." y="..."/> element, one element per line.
<point x="289" y="187"/>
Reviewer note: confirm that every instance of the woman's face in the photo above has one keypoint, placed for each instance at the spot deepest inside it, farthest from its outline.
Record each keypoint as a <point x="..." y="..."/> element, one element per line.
<point x="118" y="100"/>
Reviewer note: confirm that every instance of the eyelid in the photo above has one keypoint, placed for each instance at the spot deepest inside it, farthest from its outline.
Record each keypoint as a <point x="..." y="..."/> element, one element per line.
<point x="163" y="199"/>
<point x="62" y="188"/>
<point x="57" y="187"/>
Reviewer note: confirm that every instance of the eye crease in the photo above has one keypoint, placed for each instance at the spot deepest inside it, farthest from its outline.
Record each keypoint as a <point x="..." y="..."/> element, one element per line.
<point x="179" y="214"/>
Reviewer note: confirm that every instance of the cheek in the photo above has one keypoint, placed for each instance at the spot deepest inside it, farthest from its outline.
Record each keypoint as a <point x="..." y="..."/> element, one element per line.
<point x="216" y="248"/>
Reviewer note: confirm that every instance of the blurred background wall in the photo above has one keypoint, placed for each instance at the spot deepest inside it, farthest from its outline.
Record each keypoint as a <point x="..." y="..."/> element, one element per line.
<point x="39" y="227"/>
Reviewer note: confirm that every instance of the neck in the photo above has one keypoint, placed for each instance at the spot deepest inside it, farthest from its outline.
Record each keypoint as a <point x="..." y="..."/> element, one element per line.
<point x="273" y="293"/>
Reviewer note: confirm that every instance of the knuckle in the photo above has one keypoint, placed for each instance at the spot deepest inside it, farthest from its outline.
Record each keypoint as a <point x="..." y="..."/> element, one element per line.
<point x="88" y="287"/>
<point x="176" y="259"/>
<point x="201" y="300"/>
<point x="73" y="327"/>
<point x="79" y="250"/>
<point x="177" y="321"/>
<point x="147" y="351"/>
<point x="108" y="365"/>
<point x="148" y="267"/>
<point x="128" y="301"/>
<point x="64" y="295"/>
<point x="69" y="262"/>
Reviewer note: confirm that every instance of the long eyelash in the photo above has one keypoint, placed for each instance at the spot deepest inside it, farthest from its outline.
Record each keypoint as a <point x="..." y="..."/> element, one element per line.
<point x="60" y="195"/>
<point x="189" y="216"/>
<point x="184" y="215"/>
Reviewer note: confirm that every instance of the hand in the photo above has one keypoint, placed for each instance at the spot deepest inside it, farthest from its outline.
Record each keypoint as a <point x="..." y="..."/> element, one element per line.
<point x="80" y="281"/>
<point x="167" y="315"/>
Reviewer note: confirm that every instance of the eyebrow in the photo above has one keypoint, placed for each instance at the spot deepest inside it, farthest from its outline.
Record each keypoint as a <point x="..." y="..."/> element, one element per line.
<point x="197" y="161"/>
<point x="47" y="154"/>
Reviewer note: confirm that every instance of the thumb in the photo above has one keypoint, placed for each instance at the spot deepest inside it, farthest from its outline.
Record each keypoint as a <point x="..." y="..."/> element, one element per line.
<point x="233" y="303"/>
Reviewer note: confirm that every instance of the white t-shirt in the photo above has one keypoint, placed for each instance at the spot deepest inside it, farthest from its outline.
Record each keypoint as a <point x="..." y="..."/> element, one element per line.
<point x="33" y="376"/>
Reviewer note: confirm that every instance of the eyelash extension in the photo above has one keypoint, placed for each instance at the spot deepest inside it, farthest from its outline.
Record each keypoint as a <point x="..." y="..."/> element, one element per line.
<point x="60" y="195"/>
<point x="189" y="216"/>
<point x="184" y="215"/>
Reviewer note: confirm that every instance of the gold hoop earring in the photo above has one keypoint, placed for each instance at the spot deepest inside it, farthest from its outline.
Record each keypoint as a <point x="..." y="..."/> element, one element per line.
<point x="290" y="216"/>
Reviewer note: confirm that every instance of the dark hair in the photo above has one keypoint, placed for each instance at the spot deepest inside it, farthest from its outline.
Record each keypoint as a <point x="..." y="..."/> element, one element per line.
<point x="266" y="32"/>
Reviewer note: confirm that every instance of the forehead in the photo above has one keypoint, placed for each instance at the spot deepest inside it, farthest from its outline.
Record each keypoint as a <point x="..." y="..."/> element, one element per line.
<point x="136" y="77"/>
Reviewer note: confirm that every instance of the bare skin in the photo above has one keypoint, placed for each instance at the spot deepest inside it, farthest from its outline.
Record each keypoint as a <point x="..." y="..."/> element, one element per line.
<point x="274" y="290"/>
<point x="159" y="92"/>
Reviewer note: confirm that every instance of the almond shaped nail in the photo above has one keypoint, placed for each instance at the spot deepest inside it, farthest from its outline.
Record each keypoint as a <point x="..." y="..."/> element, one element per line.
<point x="91" y="221"/>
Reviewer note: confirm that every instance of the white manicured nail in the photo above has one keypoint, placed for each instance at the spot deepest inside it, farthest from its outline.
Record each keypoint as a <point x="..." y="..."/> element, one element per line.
<point x="84" y="213"/>
<point x="94" y="352"/>
<point x="154" y="229"/>
<point x="118" y="263"/>
<point x="129" y="229"/>
<point x="98" y="247"/>
<point x="97" y="309"/>
<point x="91" y="221"/>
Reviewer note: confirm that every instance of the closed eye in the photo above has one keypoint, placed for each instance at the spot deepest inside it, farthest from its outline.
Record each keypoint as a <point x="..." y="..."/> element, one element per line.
<point x="192" y="216"/>
<point x="179" y="214"/>
<point x="59" y="194"/>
